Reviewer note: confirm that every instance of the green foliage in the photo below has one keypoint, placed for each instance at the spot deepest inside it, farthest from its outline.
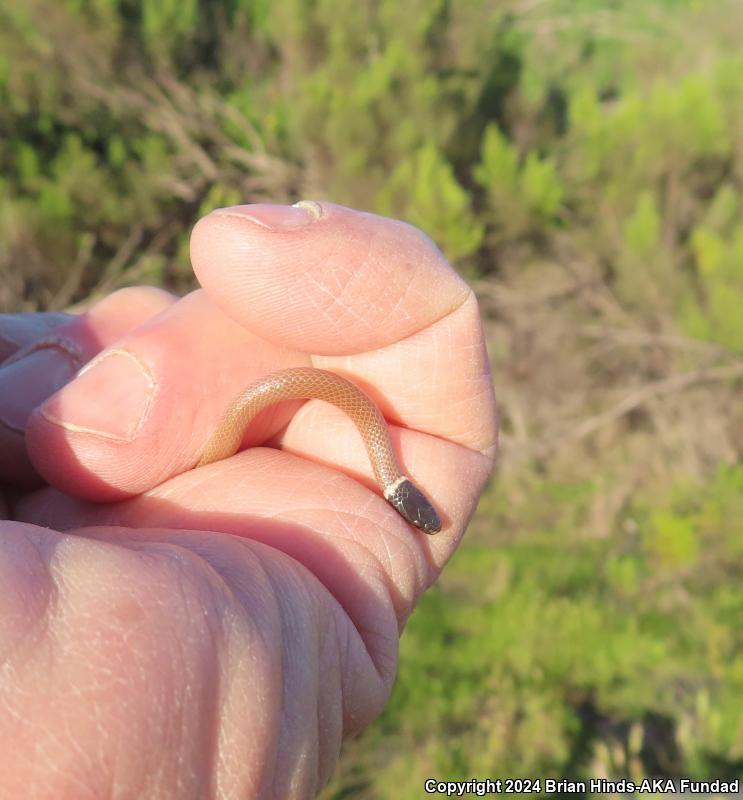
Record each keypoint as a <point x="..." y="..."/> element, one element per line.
<point x="423" y="189"/>
<point x="523" y="197"/>
<point x="671" y="539"/>
<point x="460" y="118"/>
<point x="595" y="142"/>
<point x="642" y="229"/>
<point x="712" y="311"/>
<point x="526" y="637"/>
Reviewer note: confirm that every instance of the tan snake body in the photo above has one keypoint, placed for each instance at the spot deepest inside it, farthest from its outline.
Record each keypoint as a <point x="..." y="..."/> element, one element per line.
<point x="309" y="383"/>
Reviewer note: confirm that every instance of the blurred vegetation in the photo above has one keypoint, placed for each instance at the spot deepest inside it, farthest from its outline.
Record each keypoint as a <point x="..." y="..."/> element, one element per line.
<point x="581" y="163"/>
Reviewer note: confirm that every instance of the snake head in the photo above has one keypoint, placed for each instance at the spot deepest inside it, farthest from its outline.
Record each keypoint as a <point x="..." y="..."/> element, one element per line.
<point x="412" y="504"/>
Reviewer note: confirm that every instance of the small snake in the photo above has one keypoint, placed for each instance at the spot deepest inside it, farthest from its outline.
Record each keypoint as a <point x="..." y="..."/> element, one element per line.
<point x="306" y="383"/>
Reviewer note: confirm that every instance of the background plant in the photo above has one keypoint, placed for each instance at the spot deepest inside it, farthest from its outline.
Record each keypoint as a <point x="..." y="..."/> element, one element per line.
<point x="581" y="163"/>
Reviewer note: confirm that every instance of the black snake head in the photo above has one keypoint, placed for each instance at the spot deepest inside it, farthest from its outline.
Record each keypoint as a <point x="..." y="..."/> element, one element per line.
<point x="412" y="504"/>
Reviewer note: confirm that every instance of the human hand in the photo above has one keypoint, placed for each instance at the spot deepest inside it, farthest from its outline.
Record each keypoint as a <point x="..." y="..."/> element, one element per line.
<point x="216" y="632"/>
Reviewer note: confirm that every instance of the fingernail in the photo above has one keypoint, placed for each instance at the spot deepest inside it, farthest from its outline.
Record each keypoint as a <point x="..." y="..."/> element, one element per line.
<point x="27" y="380"/>
<point x="277" y="217"/>
<point x="110" y="398"/>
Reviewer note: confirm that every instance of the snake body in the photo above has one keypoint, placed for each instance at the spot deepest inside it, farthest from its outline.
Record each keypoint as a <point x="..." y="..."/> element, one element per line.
<point x="309" y="383"/>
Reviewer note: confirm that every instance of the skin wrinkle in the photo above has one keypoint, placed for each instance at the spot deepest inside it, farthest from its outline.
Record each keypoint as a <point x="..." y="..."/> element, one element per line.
<point x="301" y="513"/>
<point x="345" y="286"/>
<point x="269" y="296"/>
<point x="341" y="516"/>
<point x="373" y="566"/>
<point x="315" y="693"/>
<point x="344" y="646"/>
<point x="337" y="296"/>
<point x="234" y="600"/>
<point x="201" y="479"/>
<point x="344" y="281"/>
<point x="385" y="672"/>
<point x="326" y="709"/>
<point x="255" y="554"/>
<point x="372" y="569"/>
<point x="348" y="678"/>
<point x="285" y="658"/>
<point x="402" y="356"/>
<point x="65" y="737"/>
<point x="469" y="397"/>
<point x="323" y="309"/>
<point x="184" y="558"/>
<point x="356" y="544"/>
<point x="214" y="723"/>
<point x="360" y="519"/>
<point x="187" y="556"/>
<point x="359" y="276"/>
<point x="468" y="296"/>
<point x="225" y="774"/>
<point x="387" y="285"/>
<point x="337" y="243"/>
<point x="400" y="301"/>
<point x="310" y="418"/>
<point x="385" y="571"/>
<point x="40" y="618"/>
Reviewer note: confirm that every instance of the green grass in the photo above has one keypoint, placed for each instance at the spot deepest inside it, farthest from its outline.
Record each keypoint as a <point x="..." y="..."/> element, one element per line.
<point x="545" y="651"/>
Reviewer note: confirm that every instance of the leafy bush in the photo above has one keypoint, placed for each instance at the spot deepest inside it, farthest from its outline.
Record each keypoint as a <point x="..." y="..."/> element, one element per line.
<point x="581" y="162"/>
<point x="562" y="654"/>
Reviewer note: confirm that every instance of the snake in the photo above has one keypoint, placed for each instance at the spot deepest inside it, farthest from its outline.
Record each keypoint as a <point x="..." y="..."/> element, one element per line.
<point x="307" y="383"/>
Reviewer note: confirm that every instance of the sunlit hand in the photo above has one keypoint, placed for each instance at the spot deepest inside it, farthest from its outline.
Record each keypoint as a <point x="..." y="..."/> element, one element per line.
<point x="185" y="633"/>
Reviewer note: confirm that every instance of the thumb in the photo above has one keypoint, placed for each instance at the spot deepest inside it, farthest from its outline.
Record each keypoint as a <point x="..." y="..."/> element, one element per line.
<point x="322" y="278"/>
